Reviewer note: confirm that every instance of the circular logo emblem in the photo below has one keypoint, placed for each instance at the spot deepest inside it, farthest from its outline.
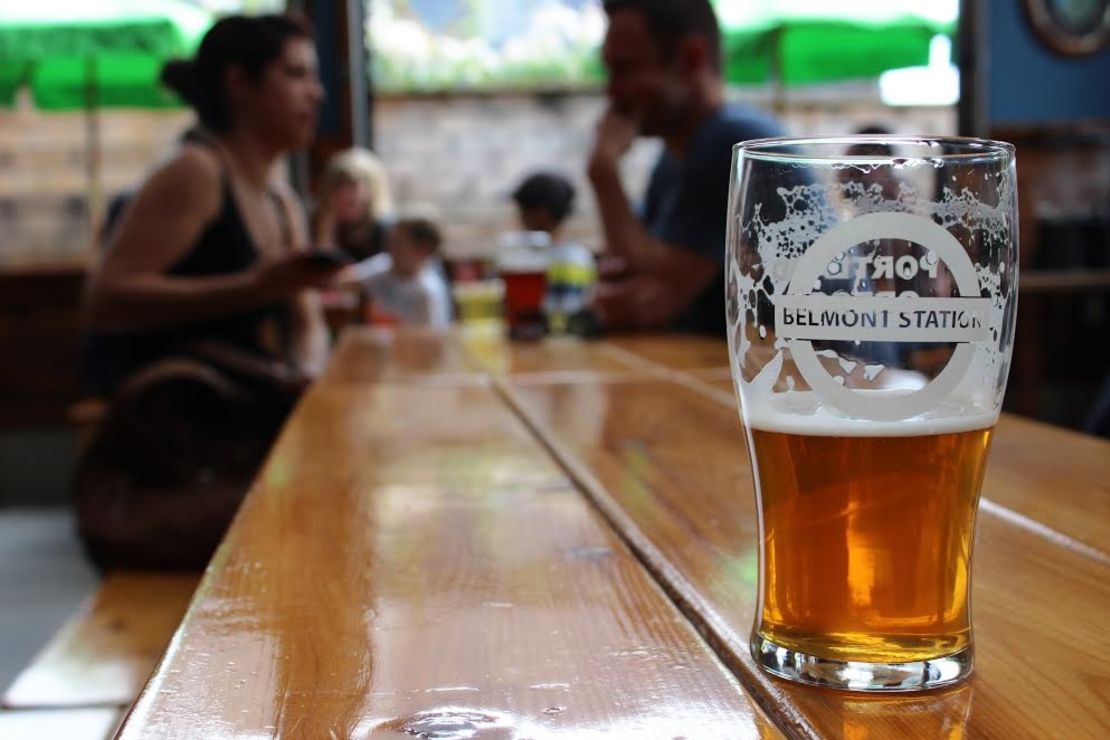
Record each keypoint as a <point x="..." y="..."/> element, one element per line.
<point x="801" y="315"/>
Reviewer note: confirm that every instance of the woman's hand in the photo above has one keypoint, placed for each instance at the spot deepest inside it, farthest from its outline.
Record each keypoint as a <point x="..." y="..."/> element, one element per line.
<point x="285" y="275"/>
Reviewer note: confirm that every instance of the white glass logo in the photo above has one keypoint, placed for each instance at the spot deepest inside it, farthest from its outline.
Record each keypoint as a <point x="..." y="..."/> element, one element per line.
<point x="802" y="315"/>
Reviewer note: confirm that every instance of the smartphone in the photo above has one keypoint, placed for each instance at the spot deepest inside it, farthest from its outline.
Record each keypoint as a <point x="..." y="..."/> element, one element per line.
<point x="328" y="259"/>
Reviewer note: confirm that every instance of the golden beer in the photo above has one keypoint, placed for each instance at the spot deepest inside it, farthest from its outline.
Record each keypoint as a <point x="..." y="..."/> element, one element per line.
<point x="866" y="541"/>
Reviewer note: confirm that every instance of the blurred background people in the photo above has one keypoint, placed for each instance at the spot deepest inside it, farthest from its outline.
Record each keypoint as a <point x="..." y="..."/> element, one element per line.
<point x="406" y="284"/>
<point x="666" y="262"/>
<point x="206" y="290"/>
<point x="354" y="203"/>
<point x="870" y="182"/>
<point x="544" y="202"/>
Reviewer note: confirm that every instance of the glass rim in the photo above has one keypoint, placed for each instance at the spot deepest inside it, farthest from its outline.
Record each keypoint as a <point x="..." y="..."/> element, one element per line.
<point x="968" y="149"/>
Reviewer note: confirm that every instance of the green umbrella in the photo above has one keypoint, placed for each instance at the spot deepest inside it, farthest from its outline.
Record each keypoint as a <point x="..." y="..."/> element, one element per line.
<point x="794" y="42"/>
<point x="77" y="53"/>
<point x="88" y="54"/>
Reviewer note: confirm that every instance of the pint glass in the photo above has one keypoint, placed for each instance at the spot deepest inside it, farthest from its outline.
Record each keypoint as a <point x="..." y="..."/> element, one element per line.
<point x="871" y="289"/>
<point x="522" y="263"/>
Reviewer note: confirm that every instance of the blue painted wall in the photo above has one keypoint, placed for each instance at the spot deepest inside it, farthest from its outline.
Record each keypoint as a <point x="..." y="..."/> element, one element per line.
<point x="1029" y="84"/>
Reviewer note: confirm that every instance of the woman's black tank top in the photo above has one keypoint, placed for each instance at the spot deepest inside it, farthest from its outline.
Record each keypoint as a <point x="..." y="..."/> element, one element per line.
<point x="225" y="247"/>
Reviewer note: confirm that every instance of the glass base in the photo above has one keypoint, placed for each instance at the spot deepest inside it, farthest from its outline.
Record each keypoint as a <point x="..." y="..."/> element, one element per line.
<point x="854" y="675"/>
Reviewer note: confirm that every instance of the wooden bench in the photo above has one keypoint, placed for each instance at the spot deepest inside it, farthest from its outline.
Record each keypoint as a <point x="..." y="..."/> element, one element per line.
<point x="89" y="723"/>
<point x="105" y="653"/>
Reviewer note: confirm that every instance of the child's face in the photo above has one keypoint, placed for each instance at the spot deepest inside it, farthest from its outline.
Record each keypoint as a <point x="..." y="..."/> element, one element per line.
<point x="535" y="218"/>
<point x="407" y="254"/>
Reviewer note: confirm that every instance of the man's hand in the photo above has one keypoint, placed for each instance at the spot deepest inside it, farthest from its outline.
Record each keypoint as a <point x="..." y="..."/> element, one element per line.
<point x="632" y="299"/>
<point x="636" y="302"/>
<point x="614" y="135"/>
<point x="611" y="269"/>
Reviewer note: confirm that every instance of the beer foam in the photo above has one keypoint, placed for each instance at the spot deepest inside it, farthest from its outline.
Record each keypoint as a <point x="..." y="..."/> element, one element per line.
<point x="803" y="413"/>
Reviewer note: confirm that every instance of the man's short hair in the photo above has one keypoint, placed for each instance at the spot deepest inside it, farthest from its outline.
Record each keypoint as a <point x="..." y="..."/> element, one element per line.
<point x="421" y="230"/>
<point x="669" y="21"/>
<point x="548" y="190"/>
<point x="872" y="148"/>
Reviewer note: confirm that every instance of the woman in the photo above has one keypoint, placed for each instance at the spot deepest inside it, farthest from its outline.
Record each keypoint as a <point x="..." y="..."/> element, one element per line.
<point x="206" y="291"/>
<point x="354" y="200"/>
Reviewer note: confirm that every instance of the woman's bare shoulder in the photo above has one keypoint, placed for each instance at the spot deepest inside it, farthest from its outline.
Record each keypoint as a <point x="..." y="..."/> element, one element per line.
<point x="168" y="210"/>
<point x="186" y="181"/>
<point x="189" y="164"/>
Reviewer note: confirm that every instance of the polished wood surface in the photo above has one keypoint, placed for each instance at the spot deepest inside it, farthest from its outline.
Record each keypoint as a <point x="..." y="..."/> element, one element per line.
<point x="381" y="355"/>
<point x="556" y="358"/>
<point x="687" y="353"/>
<point x="1052" y="477"/>
<point x="106" y="652"/>
<point x="466" y="541"/>
<point x="665" y="460"/>
<point x="412" y="563"/>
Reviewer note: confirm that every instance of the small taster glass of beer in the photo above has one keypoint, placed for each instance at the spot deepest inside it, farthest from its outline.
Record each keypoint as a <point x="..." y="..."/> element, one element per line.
<point x="871" y="288"/>
<point x="522" y="263"/>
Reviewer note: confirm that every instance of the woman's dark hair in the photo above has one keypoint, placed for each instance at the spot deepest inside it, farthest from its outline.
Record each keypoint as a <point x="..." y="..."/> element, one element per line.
<point x="249" y="42"/>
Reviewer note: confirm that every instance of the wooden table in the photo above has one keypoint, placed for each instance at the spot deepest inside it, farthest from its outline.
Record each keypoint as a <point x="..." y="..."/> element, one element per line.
<point x="457" y="537"/>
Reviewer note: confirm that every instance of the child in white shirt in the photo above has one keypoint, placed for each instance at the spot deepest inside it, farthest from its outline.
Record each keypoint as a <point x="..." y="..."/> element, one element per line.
<point x="406" y="284"/>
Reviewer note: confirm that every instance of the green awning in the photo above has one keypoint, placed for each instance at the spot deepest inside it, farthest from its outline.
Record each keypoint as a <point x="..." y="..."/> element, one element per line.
<point x="796" y="42"/>
<point x="73" y="53"/>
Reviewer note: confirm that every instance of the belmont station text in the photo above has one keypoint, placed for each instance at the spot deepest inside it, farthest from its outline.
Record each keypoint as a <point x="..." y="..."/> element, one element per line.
<point x="883" y="318"/>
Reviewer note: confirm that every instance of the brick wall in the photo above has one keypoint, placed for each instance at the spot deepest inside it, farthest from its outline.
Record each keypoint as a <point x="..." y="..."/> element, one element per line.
<point x="462" y="155"/>
<point x="43" y="174"/>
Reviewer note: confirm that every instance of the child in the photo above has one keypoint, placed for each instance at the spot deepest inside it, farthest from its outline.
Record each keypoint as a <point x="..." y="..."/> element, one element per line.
<point x="545" y="200"/>
<point x="406" y="284"/>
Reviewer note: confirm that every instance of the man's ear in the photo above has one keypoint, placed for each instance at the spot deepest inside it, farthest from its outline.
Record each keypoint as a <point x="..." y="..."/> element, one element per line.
<point x="693" y="55"/>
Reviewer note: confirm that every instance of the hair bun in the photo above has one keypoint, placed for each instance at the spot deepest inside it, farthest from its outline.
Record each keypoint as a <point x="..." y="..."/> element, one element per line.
<point x="180" y="75"/>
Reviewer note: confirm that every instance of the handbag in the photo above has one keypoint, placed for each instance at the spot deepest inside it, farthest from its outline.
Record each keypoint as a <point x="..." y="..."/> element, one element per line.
<point x="166" y="470"/>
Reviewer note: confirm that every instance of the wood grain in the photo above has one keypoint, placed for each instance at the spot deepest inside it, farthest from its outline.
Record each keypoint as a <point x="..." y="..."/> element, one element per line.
<point x="667" y="464"/>
<point x="675" y="352"/>
<point x="1053" y="476"/>
<point x="568" y="357"/>
<point x="411" y="563"/>
<point x="367" y="355"/>
<point x="106" y="652"/>
<point x="1064" y="281"/>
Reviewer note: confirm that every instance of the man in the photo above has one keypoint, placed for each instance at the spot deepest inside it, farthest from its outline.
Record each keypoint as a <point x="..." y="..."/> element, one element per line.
<point x="665" y="265"/>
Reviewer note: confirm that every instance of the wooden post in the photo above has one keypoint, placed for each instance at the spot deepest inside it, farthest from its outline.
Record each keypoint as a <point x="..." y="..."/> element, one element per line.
<point x="94" y="186"/>
<point x="345" y="116"/>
